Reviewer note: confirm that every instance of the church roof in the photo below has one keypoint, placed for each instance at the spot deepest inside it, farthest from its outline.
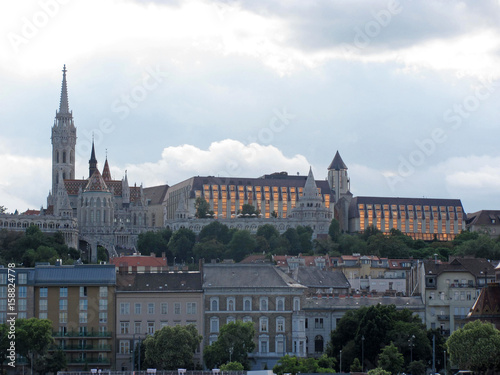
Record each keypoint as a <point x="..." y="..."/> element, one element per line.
<point x="337" y="163"/>
<point x="487" y="305"/>
<point x="156" y="194"/>
<point x="64" y="104"/>
<point x="96" y="183"/>
<point x="106" y="173"/>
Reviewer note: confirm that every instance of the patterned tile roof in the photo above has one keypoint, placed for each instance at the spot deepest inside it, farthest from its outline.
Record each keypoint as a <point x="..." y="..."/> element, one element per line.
<point x="96" y="183"/>
<point x="139" y="260"/>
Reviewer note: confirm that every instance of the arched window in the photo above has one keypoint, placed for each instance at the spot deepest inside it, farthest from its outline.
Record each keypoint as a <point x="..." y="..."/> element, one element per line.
<point x="247" y="303"/>
<point x="296" y="303"/>
<point x="230" y="304"/>
<point x="64" y="156"/>
<point x="263" y="304"/>
<point x="214" y="324"/>
<point x="318" y="344"/>
<point x="214" y="304"/>
<point x="280" y="304"/>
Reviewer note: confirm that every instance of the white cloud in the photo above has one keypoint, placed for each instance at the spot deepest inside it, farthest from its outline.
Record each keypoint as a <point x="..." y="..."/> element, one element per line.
<point x="226" y="158"/>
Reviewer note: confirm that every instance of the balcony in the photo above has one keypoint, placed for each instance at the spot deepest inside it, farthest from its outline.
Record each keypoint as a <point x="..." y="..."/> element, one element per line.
<point x="443" y="317"/>
<point x="89" y="361"/>
<point x="80" y="348"/>
<point x="455" y="285"/>
<point x="74" y="334"/>
<point x="460" y="317"/>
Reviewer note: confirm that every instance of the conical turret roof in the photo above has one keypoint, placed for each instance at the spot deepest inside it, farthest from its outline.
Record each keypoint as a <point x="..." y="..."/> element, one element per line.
<point x="106" y="173"/>
<point x="64" y="104"/>
<point x="337" y="163"/>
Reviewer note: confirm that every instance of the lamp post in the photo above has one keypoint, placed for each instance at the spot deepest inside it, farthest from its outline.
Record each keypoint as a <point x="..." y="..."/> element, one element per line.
<point x="445" y="362"/>
<point x="410" y="343"/>
<point x="363" y="353"/>
<point x="340" y="365"/>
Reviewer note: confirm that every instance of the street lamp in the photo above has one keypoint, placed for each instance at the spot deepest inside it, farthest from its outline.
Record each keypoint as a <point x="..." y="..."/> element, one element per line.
<point x="445" y="362"/>
<point x="363" y="353"/>
<point x="340" y="366"/>
<point x="410" y="343"/>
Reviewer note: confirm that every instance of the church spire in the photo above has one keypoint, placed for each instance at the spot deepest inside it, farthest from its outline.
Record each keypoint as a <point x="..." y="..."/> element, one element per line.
<point x="63" y="104"/>
<point x="92" y="161"/>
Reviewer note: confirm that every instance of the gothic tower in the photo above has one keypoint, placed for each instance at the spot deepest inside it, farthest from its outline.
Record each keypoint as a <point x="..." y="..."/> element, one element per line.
<point x="338" y="178"/>
<point x="63" y="140"/>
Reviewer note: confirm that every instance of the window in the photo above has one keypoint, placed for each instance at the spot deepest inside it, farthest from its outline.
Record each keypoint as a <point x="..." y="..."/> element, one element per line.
<point x="247" y="319"/>
<point x="191" y="308"/>
<point x="280" y="304"/>
<point x="3" y="278"/>
<point x="263" y="304"/>
<point x="83" y="291"/>
<point x="230" y="319"/>
<point x="264" y="324"/>
<point x="63" y="292"/>
<point x="214" y="304"/>
<point x="103" y="317"/>
<point x="151" y="308"/>
<point x="42" y="315"/>
<point x="3" y="305"/>
<point x="83" y="304"/>
<point x="280" y="324"/>
<point x="151" y="328"/>
<point x="124" y="328"/>
<point x="296" y="303"/>
<point x="103" y="291"/>
<point x="43" y="305"/>
<point x="163" y="323"/>
<point x="22" y="278"/>
<point x="177" y="308"/>
<point x="43" y="292"/>
<point x="3" y="292"/>
<point x="137" y="327"/>
<point x="63" y="304"/>
<point x="318" y="322"/>
<point x="137" y="308"/>
<point x="263" y="345"/>
<point x="318" y="344"/>
<point x="124" y="308"/>
<point x="124" y="347"/>
<point x="230" y="304"/>
<point x="103" y="304"/>
<point x="21" y="305"/>
<point x="214" y="324"/>
<point x="22" y="290"/>
<point x="63" y="317"/>
<point x="164" y="308"/>
<point x="247" y="303"/>
<point x="82" y="317"/>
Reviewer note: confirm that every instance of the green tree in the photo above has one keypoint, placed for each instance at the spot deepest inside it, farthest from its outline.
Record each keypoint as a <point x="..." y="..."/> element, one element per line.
<point x="33" y="336"/>
<point x="249" y="210"/>
<point x="210" y="249"/>
<point x="51" y="362"/>
<point x="171" y="348"/>
<point x="356" y="365"/>
<point x="233" y="344"/>
<point x="334" y="230"/>
<point x="181" y="244"/>
<point x="417" y="368"/>
<point x="232" y="366"/>
<point x="3" y="209"/>
<point x="294" y="365"/>
<point x="202" y="208"/>
<point x="155" y="242"/>
<point x="292" y="237"/>
<point x="475" y="347"/>
<point x="267" y="231"/>
<point x="391" y="359"/>
<point x="215" y="231"/>
<point x="242" y="244"/>
<point x="378" y="371"/>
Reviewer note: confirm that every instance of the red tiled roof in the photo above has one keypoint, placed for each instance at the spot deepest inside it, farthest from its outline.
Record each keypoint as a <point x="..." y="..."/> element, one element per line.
<point x="31" y="212"/>
<point x="139" y="260"/>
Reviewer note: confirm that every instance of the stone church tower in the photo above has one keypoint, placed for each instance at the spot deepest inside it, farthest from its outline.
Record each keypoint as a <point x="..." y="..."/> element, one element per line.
<point x="340" y="184"/>
<point x="63" y="142"/>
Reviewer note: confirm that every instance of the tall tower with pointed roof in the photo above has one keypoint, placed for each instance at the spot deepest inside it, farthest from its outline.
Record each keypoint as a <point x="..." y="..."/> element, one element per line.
<point x="338" y="177"/>
<point x="63" y="140"/>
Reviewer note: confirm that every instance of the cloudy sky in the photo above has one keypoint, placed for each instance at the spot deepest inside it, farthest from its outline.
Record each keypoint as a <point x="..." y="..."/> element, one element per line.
<point x="408" y="92"/>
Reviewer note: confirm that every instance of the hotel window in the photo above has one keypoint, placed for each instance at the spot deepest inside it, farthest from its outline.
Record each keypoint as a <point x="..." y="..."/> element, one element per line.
<point x="63" y="292"/>
<point x="124" y="308"/>
<point x="43" y="292"/>
<point x="164" y="308"/>
<point x="3" y="292"/>
<point x="103" y="304"/>
<point x="63" y="304"/>
<point x="103" y="291"/>
<point x="263" y="304"/>
<point x="151" y="308"/>
<point x="137" y="327"/>
<point x="3" y="305"/>
<point x="214" y="304"/>
<point x="214" y="324"/>
<point x="63" y="317"/>
<point x="264" y="324"/>
<point x="230" y="304"/>
<point x="22" y="291"/>
<point x="280" y="304"/>
<point x="103" y="317"/>
<point x="3" y="278"/>
<point x="191" y="308"/>
<point x="124" y="347"/>
<point x="177" y="308"/>
<point x="124" y="328"/>
<point x="82" y="317"/>
<point x="43" y="305"/>
<point x="280" y="324"/>
<point x="247" y="303"/>
<point x="83" y="304"/>
<point x="83" y="291"/>
<point x="22" y="278"/>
